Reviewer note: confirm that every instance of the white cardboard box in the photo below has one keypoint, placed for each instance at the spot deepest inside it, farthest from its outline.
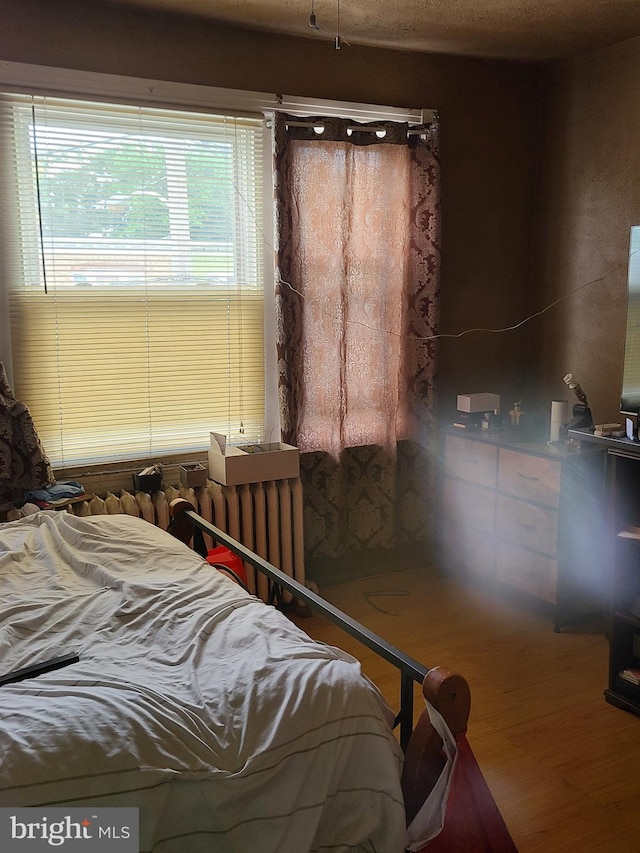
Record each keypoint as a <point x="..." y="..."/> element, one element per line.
<point x="252" y="463"/>
<point x="484" y="402"/>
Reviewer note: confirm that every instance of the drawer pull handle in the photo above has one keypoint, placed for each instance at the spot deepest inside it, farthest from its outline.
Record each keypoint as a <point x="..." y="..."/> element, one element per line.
<point x="471" y="461"/>
<point x="527" y="476"/>
<point x="527" y="526"/>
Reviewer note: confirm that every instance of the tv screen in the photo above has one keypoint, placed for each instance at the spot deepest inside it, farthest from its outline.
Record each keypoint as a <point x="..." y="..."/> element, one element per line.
<point x="630" y="399"/>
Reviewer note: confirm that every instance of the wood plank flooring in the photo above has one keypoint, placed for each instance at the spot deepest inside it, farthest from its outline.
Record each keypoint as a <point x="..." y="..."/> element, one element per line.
<point x="563" y="765"/>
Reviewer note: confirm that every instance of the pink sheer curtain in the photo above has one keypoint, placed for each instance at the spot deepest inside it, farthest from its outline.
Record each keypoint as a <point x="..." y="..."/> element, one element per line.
<point x="355" y="249"/>
<point x="358" y="255"/>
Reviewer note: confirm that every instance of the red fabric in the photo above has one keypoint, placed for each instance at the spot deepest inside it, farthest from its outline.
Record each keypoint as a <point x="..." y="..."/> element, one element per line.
<point x="224" y="557"/>
<point x="472" y="823"/>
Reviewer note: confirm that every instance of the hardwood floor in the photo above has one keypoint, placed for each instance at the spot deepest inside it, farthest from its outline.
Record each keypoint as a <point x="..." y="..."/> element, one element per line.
<point x="563" y="765"/>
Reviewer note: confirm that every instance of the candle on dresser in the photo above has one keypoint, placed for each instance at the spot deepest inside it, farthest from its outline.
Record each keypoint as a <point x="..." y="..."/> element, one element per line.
<point x="559" y="416"/>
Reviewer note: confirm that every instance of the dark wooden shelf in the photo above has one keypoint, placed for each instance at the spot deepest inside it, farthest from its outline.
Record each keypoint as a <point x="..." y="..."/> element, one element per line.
<point x="624" y="445"/>
<point x="627" y="618"/>
<point x="622" y="701"/>
<point x="621" y="508"/>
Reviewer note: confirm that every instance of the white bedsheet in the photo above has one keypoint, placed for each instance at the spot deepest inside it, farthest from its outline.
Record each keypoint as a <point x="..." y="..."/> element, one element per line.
<point x="227" y="726"/>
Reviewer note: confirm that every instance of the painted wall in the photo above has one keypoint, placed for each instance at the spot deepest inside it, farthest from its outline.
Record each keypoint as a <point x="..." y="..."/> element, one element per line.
<point x="588" y="196"/>
<point x="488" y="114"/>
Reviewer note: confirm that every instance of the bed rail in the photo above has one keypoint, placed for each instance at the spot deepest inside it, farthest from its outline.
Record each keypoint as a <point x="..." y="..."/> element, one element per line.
<point x="185" y="520"/>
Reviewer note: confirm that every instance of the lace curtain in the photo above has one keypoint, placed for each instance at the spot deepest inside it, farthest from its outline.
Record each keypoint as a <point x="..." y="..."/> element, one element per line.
<point x="358" y="256"/>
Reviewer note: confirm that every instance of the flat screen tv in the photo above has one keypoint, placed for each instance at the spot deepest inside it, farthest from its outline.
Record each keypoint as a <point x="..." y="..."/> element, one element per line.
<point x="630" y="399"/>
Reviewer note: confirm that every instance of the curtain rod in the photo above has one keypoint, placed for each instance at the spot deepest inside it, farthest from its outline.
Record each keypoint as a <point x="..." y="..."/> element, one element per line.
<point x="303" y="107"/>
<point x="26" y="78"/>
<point x="358" y="128"/>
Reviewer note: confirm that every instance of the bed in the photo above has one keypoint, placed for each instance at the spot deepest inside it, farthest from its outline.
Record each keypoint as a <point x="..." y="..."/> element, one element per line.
<point x="203" y="707"/>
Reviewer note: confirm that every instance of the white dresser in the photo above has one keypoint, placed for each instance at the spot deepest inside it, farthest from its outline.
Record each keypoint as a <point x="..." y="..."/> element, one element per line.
<point x="525" y="516"/>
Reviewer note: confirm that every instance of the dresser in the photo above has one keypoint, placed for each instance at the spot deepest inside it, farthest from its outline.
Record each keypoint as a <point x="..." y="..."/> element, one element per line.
<point x="525" y="517"/>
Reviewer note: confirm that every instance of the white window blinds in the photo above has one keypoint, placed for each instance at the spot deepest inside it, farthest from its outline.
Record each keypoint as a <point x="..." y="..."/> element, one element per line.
<point x="134" y="255"/>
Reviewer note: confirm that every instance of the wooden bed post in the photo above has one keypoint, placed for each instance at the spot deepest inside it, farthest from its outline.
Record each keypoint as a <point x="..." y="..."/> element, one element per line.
<point x="180" y="525"/>
<point x="449" y="694"/>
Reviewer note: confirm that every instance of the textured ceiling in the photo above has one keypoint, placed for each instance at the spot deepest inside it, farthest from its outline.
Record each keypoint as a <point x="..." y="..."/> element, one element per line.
<point x="513" y="29"/>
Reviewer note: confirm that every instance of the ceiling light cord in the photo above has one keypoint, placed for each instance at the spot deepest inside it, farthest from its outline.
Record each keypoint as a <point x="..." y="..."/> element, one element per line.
<point x="312" y="17"/>
<point x="313" y="23"/>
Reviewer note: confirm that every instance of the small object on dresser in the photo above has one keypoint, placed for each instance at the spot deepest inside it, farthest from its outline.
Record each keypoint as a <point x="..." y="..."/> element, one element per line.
<point x="468" y="420"/>
<point x="559" y="417"/>
<point x="495" y="420"/>
<point x="477" y="403"/>
<point x="516" y="413"/>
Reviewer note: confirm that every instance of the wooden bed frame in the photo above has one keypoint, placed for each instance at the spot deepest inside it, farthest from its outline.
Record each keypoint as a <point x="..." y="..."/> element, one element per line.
<point x="477" y="826"/>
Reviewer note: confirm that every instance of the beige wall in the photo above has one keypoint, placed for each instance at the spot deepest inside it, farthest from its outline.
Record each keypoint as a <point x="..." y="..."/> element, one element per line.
<point x="588" y="197"/>
<point x="488" y="113"/>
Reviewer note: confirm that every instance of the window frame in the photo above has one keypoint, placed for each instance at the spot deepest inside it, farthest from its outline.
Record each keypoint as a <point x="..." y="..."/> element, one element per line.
<point x="134" y="458"/>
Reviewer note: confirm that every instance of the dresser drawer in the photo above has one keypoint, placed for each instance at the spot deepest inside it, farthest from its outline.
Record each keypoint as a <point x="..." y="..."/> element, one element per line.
<point x="471" y="460"/>
<point x="469" y="505"/>
<point x="527" y="524"/>
<point x="468" y="550"/>
<point x="527" y="571"/>
<point x="530" y="477"/>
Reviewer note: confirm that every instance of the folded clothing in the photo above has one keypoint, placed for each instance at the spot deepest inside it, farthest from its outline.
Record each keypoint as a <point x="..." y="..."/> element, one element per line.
<point x="56" y="492"/>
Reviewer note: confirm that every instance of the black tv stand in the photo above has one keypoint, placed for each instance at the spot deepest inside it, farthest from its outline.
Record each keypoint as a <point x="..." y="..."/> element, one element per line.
<point x="622" y="526"/>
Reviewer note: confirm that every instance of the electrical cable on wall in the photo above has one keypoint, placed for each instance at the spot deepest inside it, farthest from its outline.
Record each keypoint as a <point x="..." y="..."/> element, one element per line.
<point x="441" y="335"/>
<point x="280" y="280"/>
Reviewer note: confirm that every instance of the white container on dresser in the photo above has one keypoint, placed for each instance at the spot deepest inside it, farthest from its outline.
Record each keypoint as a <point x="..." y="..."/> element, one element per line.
<point x="525" y="516"/>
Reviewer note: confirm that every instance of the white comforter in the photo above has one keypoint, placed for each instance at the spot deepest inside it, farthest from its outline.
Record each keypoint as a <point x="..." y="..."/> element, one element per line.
<point x="227" y="726"/>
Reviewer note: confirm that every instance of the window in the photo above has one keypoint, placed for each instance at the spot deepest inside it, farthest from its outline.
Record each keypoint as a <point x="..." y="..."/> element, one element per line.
<point x="134" y="260"/>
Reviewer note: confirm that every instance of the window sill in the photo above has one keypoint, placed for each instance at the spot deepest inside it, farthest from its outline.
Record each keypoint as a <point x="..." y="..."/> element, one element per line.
<point x="116" y="476"/>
